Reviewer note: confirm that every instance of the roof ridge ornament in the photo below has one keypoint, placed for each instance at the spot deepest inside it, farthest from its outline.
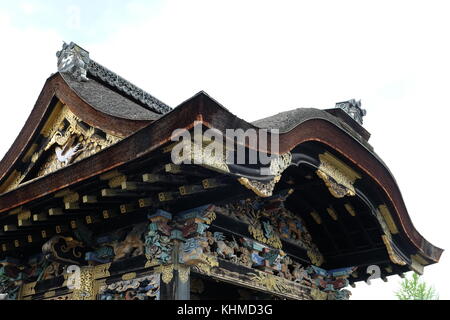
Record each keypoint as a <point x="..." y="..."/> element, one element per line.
<point x="353" y="109"/>
<point x="74" y="60"/>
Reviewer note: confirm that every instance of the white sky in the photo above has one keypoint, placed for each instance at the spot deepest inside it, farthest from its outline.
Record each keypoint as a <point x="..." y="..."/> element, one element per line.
<point x="259" y="58"/>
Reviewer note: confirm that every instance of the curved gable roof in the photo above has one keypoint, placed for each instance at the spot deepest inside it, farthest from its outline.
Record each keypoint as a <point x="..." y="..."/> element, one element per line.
<point x="309" y="125"/>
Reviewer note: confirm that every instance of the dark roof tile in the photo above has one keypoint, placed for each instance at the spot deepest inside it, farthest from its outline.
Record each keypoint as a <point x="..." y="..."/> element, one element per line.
<point x="108" y="101"/>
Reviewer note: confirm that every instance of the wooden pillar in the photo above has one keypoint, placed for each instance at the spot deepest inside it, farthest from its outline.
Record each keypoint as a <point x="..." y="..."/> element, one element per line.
<point x="178" y="288"/>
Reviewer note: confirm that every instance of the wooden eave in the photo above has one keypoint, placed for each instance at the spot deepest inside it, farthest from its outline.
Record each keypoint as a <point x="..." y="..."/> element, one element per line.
<point x="204" y="109"/>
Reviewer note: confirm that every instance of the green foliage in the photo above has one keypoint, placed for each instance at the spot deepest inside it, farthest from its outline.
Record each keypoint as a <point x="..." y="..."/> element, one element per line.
<point x="415" y="289"/>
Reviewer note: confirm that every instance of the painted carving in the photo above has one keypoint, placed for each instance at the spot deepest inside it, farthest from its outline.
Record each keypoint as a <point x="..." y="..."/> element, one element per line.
<point x="132" y="245"/>
<point x="64" y="250"/>
<point x="51" y="270"/>
<point x="338" y="177"/>
<point x="196" y="250"/>
<point x="69" y="151"/>
<point x="332" y="282"/>
<point x="103" y="254"/>
<point x="71" y="140"/>
<point x="86" y="291"/>
<point x="10" y="279"/>
<point x="158" y="244"/>
<point x="270" y="222"/>
<point x="277" y="167"/>
<point x="143" y="288"/>
<point x="225" y="249"/>
<point x="121" y="244"/>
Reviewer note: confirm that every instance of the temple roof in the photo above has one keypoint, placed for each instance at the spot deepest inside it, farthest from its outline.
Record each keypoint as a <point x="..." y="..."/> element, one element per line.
<point x="119" y="131"/>
<point x="288" y="120"/>
<point x="74" y="60"/>
<point x="108" y="101"/>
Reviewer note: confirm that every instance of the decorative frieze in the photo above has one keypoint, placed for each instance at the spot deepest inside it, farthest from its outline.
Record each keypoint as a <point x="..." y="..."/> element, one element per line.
<point x="141" y="288"/>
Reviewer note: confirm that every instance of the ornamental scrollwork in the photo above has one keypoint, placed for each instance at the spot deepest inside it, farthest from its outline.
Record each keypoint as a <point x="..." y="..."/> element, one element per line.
<point x="337" y="176"/>
<point x="158" y="242"/>
<point x="276" y="169"/>
<point x="270" y="223"/>
<point x="86" y="290"/>
<point x="65" y="250"/>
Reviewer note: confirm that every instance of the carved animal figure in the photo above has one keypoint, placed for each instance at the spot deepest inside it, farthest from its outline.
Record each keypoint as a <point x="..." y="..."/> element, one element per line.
<point x="69" y="152"/>
<point x="225" y="249"/>
<point x="299" y="274"/>
<point x="132" y="245"/>
<point x="244" y="257"/>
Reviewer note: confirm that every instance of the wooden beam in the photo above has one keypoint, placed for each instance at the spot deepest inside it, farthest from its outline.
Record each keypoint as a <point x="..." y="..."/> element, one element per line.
<point x="377" y="256"/>
<point x="332" y="213"/>
<point x="10" y="228"/>
<point x="315" y="202"/>
<point x="73" y="224"/>
<point x="31" y="238"/>
<point x="189" y="190"/>
<point x="24" y="223"/>
<point x="182" y="170"/>
<point x="91" y="219"/>
<point x="72" y="205"/>
<point x="18" y="243"/>
<point x="168" y="196"/>
<point x="46" y="234"/>
<point x="127" y="208"/>
<point x="308" y="206"/>
<point x="213" y="183"/>
<point x="63" y="193"/>
<point x="361" y="226"/>
<point x="117" y="181"/>
<point x="90" y="199"/>
<point x="146" y="202"/>
<point x="316" y="217"/>
<point x="110" y="175"/>
<point x="61" y="228"/>
<point x="159" y="178"/>
<point x="7" y="246"/>
<point x="40" y="217"/>
<point x="139" y="186"/>
<point x="93" y="201"/>
<point x="350" y="209"/>
<point x="24" y="215"/>
<point x="109" y="214"/>
<point x="72" y="197"/>
<point x="118" y="193"/>
<point x="173" y="168"/>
